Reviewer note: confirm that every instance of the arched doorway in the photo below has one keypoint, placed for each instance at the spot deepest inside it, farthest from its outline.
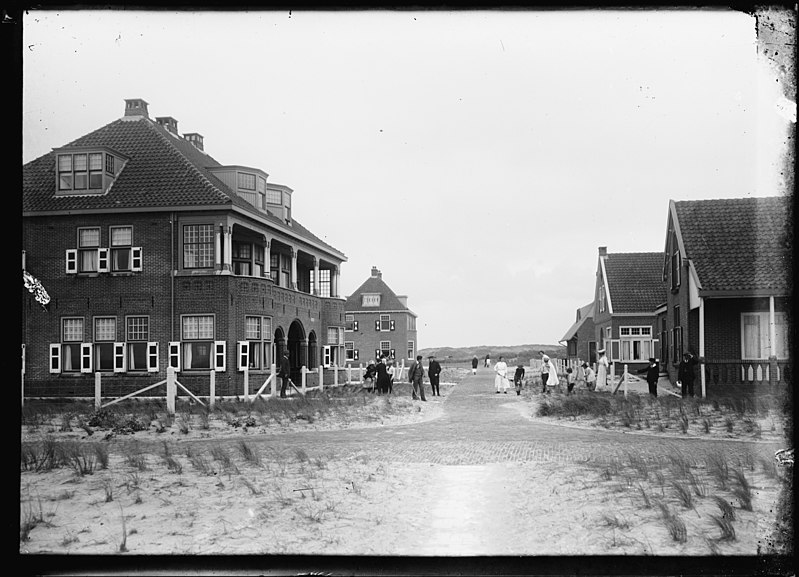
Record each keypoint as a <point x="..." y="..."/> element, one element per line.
<point x="312" y="351"/>
<point x="298" y="349"/>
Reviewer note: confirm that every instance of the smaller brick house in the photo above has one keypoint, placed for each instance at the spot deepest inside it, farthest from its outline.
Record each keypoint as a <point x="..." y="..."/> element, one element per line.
<point x="725" y="271"/>
<point x="378" y="323"/>
<point x="629" y="288"/>
<point x="580" y="339"/>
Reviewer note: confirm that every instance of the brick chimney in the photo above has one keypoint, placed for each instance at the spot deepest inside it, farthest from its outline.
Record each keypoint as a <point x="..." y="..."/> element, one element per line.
<point x="376" y="273"/>
<point x="603" y="251"/>
<point x="136" y="107"/>
<point x="403" y="299"/>
<point x="169" y="123"/>
<point x="195" y="139"/>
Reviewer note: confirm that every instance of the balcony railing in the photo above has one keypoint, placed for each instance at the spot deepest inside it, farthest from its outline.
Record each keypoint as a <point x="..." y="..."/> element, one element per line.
<point x="745" y="372"/>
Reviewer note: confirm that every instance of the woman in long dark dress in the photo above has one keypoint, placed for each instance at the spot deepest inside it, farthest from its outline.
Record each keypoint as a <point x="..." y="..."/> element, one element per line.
<point x="383" y="379"/>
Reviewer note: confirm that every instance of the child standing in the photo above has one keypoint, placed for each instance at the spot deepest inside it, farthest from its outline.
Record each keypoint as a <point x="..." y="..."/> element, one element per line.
<point x="590" y="377"/>
<point x="569" y="381"/>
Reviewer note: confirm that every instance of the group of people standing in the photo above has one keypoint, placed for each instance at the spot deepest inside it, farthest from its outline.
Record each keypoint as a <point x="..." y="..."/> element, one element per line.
<point x="377" y="374"/>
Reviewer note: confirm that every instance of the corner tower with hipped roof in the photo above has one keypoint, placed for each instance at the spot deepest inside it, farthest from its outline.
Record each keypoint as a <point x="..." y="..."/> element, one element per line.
<point x="378" y="323"/>
<point x="154" y="255"/>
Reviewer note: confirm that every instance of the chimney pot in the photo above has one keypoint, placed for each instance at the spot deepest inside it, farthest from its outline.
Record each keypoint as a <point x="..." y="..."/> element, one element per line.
<point x="169" y="123"/>
<point x="603" y="251"/>
<point x="136" y="107"/>
<point x="376" y="273"/>
<point x="195" y="138"/>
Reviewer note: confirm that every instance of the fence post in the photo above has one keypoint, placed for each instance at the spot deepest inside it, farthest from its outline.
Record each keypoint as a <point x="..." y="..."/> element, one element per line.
<point x="303" y="371"/>
<point x="624" y="376"/>
<point x="170" y="390"/>
<point x="360" y="372"/>
<point x="321" y="378"/>
<point x="349" y="373"/>
<point x="212" y="391"/>
<point x="335" y="375"/>
<point x="273" y="376"/>
<point x="97" y="391"/>
<point x="246" y="384"/>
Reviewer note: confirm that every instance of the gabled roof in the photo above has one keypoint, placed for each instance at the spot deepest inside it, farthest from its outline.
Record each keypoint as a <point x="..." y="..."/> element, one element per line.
<point x="375" y="285"/>
<point x="635" y="281"/>
<point x="583" y="314"/>
<point x="163" y="172"/>
<point x="737" y="244"/>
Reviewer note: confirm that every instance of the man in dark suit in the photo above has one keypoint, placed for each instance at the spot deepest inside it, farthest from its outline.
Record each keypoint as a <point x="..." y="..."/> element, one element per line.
<point x="284" y="373"/>
<point x="652" y="375"/>
<point x="416" y="377"/>
<point x="433" y="370"/>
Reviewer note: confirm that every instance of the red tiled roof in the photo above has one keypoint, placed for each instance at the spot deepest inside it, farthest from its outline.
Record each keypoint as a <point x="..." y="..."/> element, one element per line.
<point x="738" y="243"/>
<point x="164" y="171"/>
<point x="635" y="281"/>
<point x="374" y="285"/>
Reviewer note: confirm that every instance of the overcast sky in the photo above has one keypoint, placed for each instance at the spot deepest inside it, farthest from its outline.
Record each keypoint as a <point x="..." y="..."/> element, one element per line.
<point x="478" y="159"/>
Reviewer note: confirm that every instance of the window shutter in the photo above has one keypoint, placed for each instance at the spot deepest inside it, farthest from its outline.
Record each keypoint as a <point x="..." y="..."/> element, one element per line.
<point x="219" y="356"/>
<point x="392" y="354"/>
<point x="243" y="355"/>
<point x="326" y="356"/>
<point x="152" y="357"/>
<point x="377" y="353"/>
<point x="377" y="325"/>
<point x="391" y="325"/>
<point x="355" y="325"/>
<point x="55" y="358"/>
<point x="355" y="355"/>
<point x="174" y="355"/>
<point x="86" y="357"/>
<point x="119" y="357"/>
<point x="135" y="258"/>
<point x="72" y="262"/>
<point x="102" y="260"/>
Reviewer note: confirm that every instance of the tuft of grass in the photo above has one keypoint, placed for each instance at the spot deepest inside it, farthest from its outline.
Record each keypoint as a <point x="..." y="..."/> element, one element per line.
<point x="673" y="523"/>
<point x="769" y="467"/>
<point x="697" y="484"/>
<point x="726" y="527"/>
<point x="683" y="494"/>
<point x="199" y="462"/>
<point x="742" y="490"/>
<point x="718" y="468"/>
<point x="615" y="522"/>
<point x="108" y="487"/>
<point x="706" y="425"/>
<point x="645" y="496"/>
<point x="221" y="455"/>
<point x="81" y="458"/>
<point x="101" y="453"/>
<point x="727" y="510"/>
<point x="251" y="486"/>
<point x="249" y="454"/>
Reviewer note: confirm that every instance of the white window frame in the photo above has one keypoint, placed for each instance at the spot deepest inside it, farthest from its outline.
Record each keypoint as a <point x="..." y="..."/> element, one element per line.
<point x="628" y="336"/>
<point x="151" y="364"/>
<point x="370" y="300"/>
<point x="216" y="363"/>
<point x="765" y="335"/>
<point x="411" y="350"/>
<point x="109" y="343"/>
<point x="350" y="352"/>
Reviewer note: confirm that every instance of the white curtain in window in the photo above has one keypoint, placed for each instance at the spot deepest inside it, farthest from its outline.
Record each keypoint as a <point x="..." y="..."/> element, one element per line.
<point x="187" y="355"/>
<point x="66" y="357"/>
<point x="752" y="337"/>
<point x="88" y="260"/>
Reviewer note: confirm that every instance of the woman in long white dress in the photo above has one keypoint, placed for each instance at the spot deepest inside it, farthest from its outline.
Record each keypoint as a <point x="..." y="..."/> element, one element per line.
<point x="602" y="366"/>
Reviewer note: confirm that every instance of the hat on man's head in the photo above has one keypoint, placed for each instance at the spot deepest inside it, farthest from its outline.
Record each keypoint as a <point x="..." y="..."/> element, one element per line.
<point x="652" y="360"/>
<point x="285" y="353"/>
<point x="600" y="351"/>
<point x="431" y="356"/>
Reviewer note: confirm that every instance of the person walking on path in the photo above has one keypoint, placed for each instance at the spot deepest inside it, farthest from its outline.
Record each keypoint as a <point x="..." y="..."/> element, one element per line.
<point x="433" y="371"/>
<point x="416" y="377"/>
<point x="383" y="378"/>
<point x="501" y="380"/>
<point x="685" y="374"/>
<point x="590" y="377"/>
<point x="652" y="375"/>
<point x="487" y="363"/>
<point x="518" y="377"/>
<point x="549" y="375"/>
<point x="602" y="366"/>
<point x="284" y="374"/>
<point x="579" y="376"/>
<point x="475" y="361"/>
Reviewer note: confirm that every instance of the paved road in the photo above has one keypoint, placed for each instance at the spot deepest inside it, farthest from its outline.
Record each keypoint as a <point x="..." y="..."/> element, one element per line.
<point x="479" y="427"/>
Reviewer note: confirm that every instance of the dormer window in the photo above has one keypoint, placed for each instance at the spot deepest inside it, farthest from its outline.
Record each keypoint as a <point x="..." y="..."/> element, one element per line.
<point x="370" y="300"/>
<point x="246" y="181"/>
<point x="86" y="172"/>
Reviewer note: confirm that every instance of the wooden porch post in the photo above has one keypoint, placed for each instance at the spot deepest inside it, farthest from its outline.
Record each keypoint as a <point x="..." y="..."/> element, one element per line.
<point x="212" y="390"/>
<point x="772" y="335"/>
<point x="702" y="346"/>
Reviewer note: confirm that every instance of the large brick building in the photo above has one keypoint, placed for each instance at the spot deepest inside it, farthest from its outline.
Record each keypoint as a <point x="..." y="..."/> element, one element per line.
<point x="155" y="254"/>
<point x="378" y="323"/>
<point x="726" y="268"/>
